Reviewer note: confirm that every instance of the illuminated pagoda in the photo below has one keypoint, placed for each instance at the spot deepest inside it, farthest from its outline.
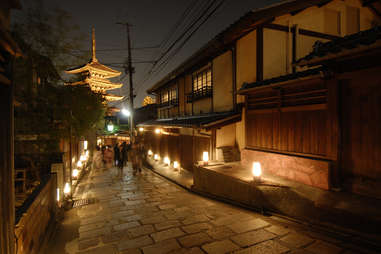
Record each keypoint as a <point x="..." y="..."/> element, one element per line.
<point x="96" y="75"/>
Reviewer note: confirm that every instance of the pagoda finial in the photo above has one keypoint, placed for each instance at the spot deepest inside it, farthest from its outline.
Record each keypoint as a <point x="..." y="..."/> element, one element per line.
<point x="94" y="59"/>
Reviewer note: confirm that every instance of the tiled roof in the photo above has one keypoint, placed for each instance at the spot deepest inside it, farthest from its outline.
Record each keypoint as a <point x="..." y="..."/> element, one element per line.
<point x="347" y="43"/>
<point x="288" y="77"/>
<point x="94" y="65"/>
<point x="190" y="121"/>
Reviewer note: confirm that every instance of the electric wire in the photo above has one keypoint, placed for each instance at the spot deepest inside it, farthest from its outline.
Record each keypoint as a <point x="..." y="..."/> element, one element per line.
<point x="177" y="50"/>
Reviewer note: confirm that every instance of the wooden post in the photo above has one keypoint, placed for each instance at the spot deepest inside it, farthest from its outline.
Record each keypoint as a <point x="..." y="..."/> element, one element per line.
<point x="7" y="206"/>
<point x="333" y="130"/>
<point x="259" y="53"/>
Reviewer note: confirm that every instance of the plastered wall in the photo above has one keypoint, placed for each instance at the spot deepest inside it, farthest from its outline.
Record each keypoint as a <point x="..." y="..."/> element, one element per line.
<point x="222" y="83"/>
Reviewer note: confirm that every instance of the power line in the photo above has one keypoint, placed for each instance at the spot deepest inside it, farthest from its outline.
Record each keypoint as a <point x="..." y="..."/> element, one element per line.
<point x="181" y="20"/>
<point x="177" y="50"/>
<point x="121" y="49"/>
<point x="186" y="31"/>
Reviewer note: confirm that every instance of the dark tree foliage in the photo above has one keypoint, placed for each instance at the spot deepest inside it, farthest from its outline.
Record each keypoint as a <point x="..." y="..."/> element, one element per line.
<point x="44" y="105"/>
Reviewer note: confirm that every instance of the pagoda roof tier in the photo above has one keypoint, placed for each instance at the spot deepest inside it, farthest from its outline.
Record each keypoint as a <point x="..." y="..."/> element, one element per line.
<point x="95" y="67"/>
<point x="98" y="84"/>
<point x="112" y="97"/>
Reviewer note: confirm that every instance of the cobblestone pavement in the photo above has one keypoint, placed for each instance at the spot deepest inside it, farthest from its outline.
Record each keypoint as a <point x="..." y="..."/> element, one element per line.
<point x="147" y="214"/>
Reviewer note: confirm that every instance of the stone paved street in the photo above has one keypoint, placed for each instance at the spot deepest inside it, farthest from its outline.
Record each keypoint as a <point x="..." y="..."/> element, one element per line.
<point x="148" y="214"/>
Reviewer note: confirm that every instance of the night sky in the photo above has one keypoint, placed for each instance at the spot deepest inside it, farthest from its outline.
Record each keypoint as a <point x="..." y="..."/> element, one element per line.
<point x="151" y="20"/>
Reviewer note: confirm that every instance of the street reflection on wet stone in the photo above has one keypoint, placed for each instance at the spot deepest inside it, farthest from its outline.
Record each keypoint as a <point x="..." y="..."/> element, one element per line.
<point x="148" y="214"/>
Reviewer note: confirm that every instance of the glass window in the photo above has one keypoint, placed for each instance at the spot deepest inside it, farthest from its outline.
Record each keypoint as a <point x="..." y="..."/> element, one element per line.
<point x="202" y="79"/>
<point x="164" y="96"/>
<point x="173" y="93"/>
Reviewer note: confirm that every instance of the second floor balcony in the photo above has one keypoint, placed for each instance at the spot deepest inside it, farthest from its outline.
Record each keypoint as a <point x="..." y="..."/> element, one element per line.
<point x="203" y="92"/>
<point x="170" y="103"/>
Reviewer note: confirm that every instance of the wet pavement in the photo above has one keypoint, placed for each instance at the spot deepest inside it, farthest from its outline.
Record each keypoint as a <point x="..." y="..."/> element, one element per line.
<point x="149" y="214"/>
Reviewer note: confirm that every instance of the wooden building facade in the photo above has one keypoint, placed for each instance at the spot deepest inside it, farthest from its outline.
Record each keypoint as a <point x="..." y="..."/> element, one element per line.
<point x="8" y="50"/>
<point x="289" y="119"/>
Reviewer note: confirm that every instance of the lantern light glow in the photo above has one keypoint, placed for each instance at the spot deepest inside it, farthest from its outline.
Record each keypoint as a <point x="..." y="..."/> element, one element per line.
<point x="157" y="131"/>
<point x="156" y="157"/>
<point x="67" y="188"/>
<point x="110" y="127"/>
<point x="167" y="161"/>
<point x="141" y="129"/>
<point x="175" y="165"/>
<point x="85" y="143"/>
<point x="257" y="171"/>
<point x="205" y="157"/>
<point x="58" y="194"/>
<point x="79" y="164"/>
<point x="75" y="172"/>
<point x="150" y="153"/>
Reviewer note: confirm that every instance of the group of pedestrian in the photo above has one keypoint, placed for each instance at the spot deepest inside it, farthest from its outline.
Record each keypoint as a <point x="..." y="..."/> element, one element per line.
<point x="106" y="157"/>
<point x="121" y="156"/>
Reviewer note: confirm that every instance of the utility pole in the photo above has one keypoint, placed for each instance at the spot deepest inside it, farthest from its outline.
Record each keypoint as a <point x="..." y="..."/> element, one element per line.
<point x="128" y="69"/>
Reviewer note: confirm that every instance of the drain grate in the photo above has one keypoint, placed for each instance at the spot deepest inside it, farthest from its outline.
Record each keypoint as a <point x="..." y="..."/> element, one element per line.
<point x="83" y="202"/>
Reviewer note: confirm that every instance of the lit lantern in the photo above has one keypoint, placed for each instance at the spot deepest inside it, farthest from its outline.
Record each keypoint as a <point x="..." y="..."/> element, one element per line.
<point x="141" y="129"/>
<point x="157" y="131"/>
<point x="87" y="153"/>
<point x="73" y="160"/>
<point x="175" y="165"/>
<point x="110" y="127"/>
<point x="205" y="157"/>
<point x="85" y="145"/>
<point x="75" y="173"/>
<point x="257" y="171"/>
<point x="167" y="161"/>
<point x="150" y="153"/>
<point x="79" y="164"/>
<point x="58" y="194"/>
<point x="82" y="157"/>
<point x="99" y="142"/>
<point x="156" y="157"/>
<point x="67" y="188"/>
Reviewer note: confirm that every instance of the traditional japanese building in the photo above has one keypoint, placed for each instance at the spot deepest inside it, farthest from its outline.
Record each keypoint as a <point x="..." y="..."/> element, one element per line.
<point x="96" y="75"/>
<point x="239" y="92"/>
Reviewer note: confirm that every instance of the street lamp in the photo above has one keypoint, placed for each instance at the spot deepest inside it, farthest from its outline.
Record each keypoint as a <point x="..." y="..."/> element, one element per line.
<point x="126" y="112"/>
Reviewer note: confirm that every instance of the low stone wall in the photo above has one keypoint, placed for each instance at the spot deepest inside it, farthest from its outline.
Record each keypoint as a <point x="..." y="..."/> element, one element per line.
<point x="315" y="208"/>
<point x="313" y="172"/>
<point x="32" y="228"/>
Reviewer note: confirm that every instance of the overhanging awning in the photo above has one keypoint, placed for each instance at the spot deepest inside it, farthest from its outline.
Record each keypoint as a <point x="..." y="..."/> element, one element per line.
<point x="208" y="121"/>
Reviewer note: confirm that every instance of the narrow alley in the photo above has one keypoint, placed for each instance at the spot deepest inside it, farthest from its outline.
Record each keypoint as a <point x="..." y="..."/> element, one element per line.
<point x="148" y="214"/>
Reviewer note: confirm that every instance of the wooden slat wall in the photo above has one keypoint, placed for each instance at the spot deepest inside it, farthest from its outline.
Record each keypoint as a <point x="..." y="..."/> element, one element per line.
<point x="184" y="148"/>
<point x="361" y="126"/>
<point x="292" y="118"/>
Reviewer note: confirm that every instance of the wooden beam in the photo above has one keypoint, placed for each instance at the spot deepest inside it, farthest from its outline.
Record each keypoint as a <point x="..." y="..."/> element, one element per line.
<point x="259" y="53"/>
<point x="368" y="2"/>
<point x="294" y="46"/>
<point x="234" y="76"/>
<point x="301" y="31"/>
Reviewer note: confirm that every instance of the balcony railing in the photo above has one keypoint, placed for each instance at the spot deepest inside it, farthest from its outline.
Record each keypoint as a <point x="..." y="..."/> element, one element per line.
<point x="173" y="102"/>
<point x="204" y="92"/>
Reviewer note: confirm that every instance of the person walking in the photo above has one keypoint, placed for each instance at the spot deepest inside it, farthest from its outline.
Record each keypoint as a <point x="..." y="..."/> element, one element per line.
<point x="97" y="158"/>
<point x="108" y="157"/>
<point x="123" y="158"/>
<point x="135" y="157"/>
<point x="116" y="154"/>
